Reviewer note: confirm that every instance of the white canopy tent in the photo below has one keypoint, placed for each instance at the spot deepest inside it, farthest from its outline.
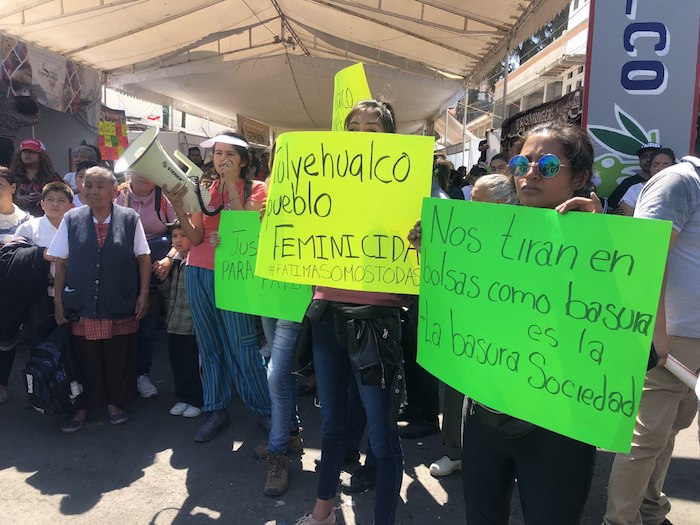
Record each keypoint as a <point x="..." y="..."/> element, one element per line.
<point x="274" y="60"/>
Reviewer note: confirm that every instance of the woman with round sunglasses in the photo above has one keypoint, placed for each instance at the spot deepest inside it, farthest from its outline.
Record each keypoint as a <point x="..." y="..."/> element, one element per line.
<point x="551" y="168"/>
<point x="660" y="160"/>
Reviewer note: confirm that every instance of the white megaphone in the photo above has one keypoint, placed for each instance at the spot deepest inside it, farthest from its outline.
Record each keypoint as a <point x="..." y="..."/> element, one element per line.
<point x="146" y="156"/>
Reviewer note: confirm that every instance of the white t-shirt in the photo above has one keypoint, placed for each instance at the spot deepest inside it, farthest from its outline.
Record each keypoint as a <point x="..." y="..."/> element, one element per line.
<point x="632" y="194"/>
<point x="38" y="230"/>
<point x="59" y="246"/>
<point x="69" y="178"/>
<point x="41" y="232"/>
<point x="77" y="203"/>
<point x="467" y="190"/>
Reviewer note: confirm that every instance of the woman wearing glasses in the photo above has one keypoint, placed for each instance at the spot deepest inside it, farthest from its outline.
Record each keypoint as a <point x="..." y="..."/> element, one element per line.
<point x="660" y="160"/>
<point x="552" y="168"/>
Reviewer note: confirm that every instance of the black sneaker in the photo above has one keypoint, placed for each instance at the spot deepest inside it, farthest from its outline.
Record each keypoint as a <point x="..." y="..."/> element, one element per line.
<point x="363" y="479"/>
<point x="216" y="421"/>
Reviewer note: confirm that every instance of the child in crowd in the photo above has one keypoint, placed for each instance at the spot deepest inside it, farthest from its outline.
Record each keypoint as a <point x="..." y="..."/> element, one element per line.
<point x="11" y="216"/>
<point x="56" y="200"/>
<point x="182" y="345"/>
<point x="80" y="180"/>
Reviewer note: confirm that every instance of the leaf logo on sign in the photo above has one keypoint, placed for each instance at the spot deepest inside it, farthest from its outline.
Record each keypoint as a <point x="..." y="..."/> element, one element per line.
<point x="627" y="139"/>
<point x="621" y="144"/>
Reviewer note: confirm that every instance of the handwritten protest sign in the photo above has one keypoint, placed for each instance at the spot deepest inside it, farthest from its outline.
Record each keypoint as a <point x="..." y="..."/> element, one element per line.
<point x="349" y="87"/>
<point x="112" y="138"/>
<point x="339" y="208"/>
<point x="543" y="316"/>
<point x="236" y="287"/>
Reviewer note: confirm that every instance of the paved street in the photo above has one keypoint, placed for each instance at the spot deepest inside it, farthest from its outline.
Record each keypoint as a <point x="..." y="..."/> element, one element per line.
<point x="151" y="472"/>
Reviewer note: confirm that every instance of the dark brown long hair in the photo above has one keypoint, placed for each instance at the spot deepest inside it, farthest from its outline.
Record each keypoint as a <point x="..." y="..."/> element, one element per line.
<point x="46" y="171"/>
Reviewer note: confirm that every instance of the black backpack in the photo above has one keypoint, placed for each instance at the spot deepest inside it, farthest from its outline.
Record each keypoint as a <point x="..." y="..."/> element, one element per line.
<point x="51" y="375"/>
<point x="616" y="196"/>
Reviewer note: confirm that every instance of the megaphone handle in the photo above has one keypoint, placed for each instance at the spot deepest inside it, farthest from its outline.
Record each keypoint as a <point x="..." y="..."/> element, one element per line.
<point x="194" y="172"/>
<point x="192" y="169"/>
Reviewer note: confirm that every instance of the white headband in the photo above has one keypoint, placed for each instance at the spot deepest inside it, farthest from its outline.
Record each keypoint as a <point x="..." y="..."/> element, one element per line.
<point x="226" y="139"/>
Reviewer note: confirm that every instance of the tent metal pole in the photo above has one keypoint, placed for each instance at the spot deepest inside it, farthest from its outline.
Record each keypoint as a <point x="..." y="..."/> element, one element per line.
<point x="447" y="123"/>
<point x="464" y="120"/>
<point x="505" y="83"/>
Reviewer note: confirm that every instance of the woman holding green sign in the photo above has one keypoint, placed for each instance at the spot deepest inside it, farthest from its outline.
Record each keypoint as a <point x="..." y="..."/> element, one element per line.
<point x="344" y="323"/>
<point x="552" y="168"/>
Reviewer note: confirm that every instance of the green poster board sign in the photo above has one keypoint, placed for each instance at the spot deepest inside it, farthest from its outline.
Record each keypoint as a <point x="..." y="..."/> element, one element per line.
<point x="236" y="286"/>
<point x="543" y="316"/>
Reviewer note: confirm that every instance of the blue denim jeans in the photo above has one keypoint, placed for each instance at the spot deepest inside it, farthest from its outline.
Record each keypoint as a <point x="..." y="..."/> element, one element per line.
<point x="281" y="339"/>
<point x="357" y="422"/>
<point x="357" y="419"/>
<point x="148" y="330"/>
<point x="333" y="374"/>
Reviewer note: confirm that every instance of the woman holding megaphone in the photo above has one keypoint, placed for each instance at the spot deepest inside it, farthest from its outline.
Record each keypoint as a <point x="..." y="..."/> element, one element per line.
<point x="228" y="343"/>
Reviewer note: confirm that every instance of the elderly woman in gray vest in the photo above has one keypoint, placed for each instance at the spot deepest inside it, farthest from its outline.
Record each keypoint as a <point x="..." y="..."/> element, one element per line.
<point x="103" y="268"/>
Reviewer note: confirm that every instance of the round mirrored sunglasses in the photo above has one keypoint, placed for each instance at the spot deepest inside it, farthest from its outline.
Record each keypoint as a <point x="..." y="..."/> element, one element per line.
<point x="548" y="165"/>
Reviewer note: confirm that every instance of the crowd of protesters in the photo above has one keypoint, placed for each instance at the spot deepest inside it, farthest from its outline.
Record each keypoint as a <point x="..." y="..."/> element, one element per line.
<point x="126" y="258"/>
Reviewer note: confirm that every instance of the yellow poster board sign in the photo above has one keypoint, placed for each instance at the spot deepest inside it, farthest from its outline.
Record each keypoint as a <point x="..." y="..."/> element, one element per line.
<point x="339" y="208"/>
<point x="349" y="87"/>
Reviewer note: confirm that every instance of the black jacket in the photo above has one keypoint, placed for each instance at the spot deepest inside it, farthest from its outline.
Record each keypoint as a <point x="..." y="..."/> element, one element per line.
<point x="24" y="279"/>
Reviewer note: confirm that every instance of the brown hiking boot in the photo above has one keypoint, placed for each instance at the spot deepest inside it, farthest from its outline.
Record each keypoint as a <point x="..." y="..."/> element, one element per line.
<point x="295" y="445"/>
<point x="277" y="475"/>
